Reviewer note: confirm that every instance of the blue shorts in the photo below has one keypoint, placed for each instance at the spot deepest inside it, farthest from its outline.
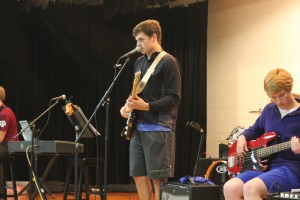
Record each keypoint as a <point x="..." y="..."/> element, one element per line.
<point x="282" y="177"/>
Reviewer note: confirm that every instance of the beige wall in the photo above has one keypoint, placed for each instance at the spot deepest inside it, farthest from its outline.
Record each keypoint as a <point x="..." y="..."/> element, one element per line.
<point x="246" y="39"/>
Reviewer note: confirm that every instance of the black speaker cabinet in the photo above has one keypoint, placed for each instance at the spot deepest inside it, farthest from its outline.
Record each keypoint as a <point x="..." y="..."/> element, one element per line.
<point x="179" y="191"/>
<point x="223" y="150"/>
<point x="204" y="164"/>
<point x="214" y="169"/>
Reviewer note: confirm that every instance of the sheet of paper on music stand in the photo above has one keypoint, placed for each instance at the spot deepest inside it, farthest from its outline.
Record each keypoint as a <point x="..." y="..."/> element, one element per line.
<point x="27" y="134"/>
<point x="79" y="119"/>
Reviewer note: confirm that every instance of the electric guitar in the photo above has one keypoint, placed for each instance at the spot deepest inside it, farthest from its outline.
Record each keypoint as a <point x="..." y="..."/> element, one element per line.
<point x="257" y="154"/>
<point x="127" y="131"/>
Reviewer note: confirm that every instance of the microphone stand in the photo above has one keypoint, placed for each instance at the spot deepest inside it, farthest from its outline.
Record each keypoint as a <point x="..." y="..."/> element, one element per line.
<point x="199" y="150"/>
<point x="104" y="101"/>
<point x="77" y="195"/>
<point x="32" y="171"/>
<point x="106" y="148"/>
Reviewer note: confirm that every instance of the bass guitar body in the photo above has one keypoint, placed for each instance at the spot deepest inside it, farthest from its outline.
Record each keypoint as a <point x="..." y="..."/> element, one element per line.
<point x="254" y="158"/>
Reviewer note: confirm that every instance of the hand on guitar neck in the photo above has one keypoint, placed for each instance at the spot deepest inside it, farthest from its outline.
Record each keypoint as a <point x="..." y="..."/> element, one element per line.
<point x="137" y="103"/>
<point x="133" y="104"/>
<point x="295" y="145"/>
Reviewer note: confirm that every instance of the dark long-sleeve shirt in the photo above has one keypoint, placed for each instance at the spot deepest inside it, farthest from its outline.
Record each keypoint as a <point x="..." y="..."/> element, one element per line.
<point x="162" y="91"/>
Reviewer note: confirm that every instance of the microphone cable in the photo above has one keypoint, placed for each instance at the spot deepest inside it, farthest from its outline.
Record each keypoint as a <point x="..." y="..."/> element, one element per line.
<point x="130" y="189"/>
<point x="48" y="118"/>
<point x="35" y="179"/>
<point x="269" y="195"/>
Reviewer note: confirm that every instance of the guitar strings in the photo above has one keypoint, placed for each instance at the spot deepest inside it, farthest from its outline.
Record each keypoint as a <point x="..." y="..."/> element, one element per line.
<point x="244" y="158"/>
<point x="247" y="157"/>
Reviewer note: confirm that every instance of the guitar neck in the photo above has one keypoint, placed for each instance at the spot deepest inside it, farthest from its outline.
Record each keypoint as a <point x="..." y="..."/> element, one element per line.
<point x="264" y="152"/>
<point x="134" y="94"/>
<point x="134" y="86"/>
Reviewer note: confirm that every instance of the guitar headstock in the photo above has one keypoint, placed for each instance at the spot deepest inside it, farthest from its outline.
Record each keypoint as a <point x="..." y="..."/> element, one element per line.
<point x="137" y="77"/>
<point x="135" y="83"/>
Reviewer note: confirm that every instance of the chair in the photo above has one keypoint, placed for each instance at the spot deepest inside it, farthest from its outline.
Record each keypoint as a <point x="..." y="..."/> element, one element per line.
<point x="83" y="167"/>
<point x="4" y="161"/>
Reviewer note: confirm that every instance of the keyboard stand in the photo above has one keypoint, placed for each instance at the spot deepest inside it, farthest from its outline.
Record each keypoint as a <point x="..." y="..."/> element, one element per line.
<point x="43" y="178"/>
<point x="52" y="148"/>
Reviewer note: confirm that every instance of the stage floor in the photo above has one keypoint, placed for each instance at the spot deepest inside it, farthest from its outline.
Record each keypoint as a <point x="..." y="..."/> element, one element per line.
<point x="115" y="192"/>
<point x="110" y="196"/>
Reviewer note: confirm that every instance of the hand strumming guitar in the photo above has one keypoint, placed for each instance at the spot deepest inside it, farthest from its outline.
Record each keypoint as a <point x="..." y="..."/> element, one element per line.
<point x="241" y="148"/>
<point x="125" y="111"/>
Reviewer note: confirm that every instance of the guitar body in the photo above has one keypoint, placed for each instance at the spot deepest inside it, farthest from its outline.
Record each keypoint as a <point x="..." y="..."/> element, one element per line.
<point x="127" y="131"/>
<point x="251" y="161"/>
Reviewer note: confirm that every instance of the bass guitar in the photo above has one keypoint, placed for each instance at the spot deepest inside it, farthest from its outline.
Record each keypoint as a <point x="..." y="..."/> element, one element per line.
<point x="256" y="156"/>
<point x="127" y="131"/>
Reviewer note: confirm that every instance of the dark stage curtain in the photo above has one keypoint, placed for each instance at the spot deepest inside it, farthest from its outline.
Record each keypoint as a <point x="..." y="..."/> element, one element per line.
<point x="71" y="49"/>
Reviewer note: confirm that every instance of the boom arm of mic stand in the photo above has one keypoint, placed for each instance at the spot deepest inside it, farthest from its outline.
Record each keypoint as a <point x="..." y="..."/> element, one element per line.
<point x="33" y="122"/>
<point x="198" y="154"/>
<point x="104" y="98"/>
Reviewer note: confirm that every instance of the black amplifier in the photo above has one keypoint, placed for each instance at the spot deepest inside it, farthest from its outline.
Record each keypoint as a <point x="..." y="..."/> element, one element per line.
<point x="285" y="196"/>
<point x="180" y="191"/>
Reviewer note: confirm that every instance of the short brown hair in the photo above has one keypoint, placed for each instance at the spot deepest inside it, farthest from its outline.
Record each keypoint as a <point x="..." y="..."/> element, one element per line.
<point x="2" y="93"/>
<point x="277" y="80"/>
<point x="149" y="27"/>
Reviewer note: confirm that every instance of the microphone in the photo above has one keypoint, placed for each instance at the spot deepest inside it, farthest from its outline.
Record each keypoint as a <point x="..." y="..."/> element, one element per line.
<point x="62" y="97"/>
<point x="195" y="126"/>
<point x="133" y="51"/>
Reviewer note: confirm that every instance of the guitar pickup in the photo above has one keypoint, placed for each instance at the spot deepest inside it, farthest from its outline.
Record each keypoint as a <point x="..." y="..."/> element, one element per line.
<point x="237" y="163"/>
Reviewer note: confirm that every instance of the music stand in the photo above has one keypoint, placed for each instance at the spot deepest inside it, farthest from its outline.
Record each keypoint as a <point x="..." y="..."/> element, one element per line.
<point x="79" y="121"/>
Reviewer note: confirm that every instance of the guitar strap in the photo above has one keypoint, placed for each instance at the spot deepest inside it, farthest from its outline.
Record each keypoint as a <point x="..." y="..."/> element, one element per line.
<point x="146" y="77"/>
